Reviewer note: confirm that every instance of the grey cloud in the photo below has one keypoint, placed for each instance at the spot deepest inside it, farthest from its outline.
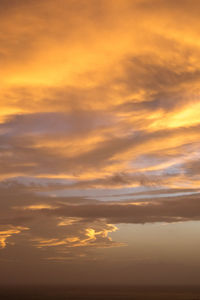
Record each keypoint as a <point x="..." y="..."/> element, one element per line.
<point x="173" y="210"/>
<point x="78" y="215"/>
<point x="119" y="180"/>
<point x="18" y="154"/>
<point x="192" y="168"/>
<point x="61" y="124"/>
<point x="163" y="84"/>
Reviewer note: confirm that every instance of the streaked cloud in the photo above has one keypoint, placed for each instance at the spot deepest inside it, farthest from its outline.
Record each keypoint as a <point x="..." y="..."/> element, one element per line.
<point x="99" y="122"/>
<point x="8" y="232"/>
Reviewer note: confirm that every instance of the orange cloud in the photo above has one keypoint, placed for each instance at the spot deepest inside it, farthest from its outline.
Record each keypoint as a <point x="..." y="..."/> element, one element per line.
<point x="99" y="101"/>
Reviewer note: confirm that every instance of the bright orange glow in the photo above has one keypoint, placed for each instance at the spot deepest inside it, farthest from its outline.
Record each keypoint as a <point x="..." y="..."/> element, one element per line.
<point x="99" y="131"/>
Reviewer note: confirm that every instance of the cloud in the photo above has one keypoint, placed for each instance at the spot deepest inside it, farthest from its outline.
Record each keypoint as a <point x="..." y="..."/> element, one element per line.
<point x="99" y="101"/>
<point x="8" y="232"/>
<point x="192" y="168"/>
<point x="95" y="236"/>
<point x="67" y="222"/>
<point x="159" y="210"/>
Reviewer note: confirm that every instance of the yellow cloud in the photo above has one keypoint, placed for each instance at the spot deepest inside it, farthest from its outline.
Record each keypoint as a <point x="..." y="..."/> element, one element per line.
<point x="7" y="233"/>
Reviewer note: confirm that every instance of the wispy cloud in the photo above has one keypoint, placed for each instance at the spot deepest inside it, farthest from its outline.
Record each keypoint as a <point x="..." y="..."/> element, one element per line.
<point x="99" y="121"/>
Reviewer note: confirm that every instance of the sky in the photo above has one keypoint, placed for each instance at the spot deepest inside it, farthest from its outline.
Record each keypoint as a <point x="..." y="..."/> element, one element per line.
<point x="99" y="142"/>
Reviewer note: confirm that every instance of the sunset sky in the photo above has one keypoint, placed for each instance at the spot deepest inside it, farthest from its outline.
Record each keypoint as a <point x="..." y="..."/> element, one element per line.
<point x="100" y="142"/>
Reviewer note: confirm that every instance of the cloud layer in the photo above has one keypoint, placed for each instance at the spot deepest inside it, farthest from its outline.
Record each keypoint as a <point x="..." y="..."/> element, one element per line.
<point x="99" y="122"/>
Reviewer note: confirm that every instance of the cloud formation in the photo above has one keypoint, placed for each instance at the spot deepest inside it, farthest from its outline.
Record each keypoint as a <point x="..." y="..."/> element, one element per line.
<point x="99" y="122"/>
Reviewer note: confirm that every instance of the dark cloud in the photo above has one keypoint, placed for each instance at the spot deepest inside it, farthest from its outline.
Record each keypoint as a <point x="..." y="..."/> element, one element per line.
<point x="21" y="154"/>
<point x="192" y="168"/>
<point x="173" y="210"/>
<point x="60" y="124"/>
<point x="67" y="223"/>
